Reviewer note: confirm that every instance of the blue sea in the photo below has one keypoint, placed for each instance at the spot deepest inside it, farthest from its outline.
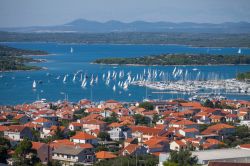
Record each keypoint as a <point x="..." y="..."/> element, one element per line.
<point x="16" y="87"/>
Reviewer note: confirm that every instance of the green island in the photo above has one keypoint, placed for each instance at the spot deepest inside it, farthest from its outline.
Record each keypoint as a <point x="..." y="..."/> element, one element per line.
<point x="243" y="76"/>
<point x="192" y="39"/>
<point x="12" y="59"/>
<point x="178" y="59"/>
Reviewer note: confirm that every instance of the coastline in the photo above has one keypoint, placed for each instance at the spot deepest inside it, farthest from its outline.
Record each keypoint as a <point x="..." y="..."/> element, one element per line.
<point x="9" y="71"/>
<point x="168" y="65"/>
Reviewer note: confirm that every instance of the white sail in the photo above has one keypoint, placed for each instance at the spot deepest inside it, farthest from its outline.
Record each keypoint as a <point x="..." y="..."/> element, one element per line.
<point x="107" y="82"/>
<point x="65" y="78"/>
<point x="96" y="79"/>
<point x="84" y="83"/>
<point x="92" y="80"/>
<point x="74" y="78"/>
<point x="125" y="86"/>
<point x="174" y="71"/>
<point x="239" y="51"/>
<point x="114" y="88"/>
<point x="71" y="50"/>
<point x="34" y="84"/>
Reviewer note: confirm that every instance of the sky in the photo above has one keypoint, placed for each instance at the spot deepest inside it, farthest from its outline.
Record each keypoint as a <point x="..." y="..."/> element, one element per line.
<point x="22" y="13"/>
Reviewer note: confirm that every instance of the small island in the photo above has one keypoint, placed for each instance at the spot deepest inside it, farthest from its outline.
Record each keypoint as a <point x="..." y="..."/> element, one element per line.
<point x="243" y="76"/>
<point x="12" y="59"/>
<point x="178" y="59"/>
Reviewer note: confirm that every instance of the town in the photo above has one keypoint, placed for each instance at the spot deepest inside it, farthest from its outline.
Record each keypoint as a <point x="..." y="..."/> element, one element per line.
<point x="152" y="132"/>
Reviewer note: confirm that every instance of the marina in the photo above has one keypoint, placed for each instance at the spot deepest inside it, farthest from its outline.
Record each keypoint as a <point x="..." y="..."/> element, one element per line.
<point x="71" y="73"/>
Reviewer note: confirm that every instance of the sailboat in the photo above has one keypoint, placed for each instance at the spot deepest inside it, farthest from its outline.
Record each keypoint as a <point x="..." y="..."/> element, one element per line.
<point x="114" y="88"/>
<point x="84" y="83"/>
<point x="65" y="79"/>
<point x="34" y="84"/>
<point x="239" y="51"/>
<point x="91" y="81"/>
<point x="71" y="50"/>
<point x="96" y="79"/>
<point x="74" y="78"/>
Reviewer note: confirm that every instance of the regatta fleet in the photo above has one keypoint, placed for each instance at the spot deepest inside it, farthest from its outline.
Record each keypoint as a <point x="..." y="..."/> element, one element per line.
<point x="179" y="80"/>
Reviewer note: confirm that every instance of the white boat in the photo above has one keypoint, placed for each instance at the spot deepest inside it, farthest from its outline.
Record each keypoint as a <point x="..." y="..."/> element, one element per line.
<point x="114" y="88"/>
<point x="92" y="81"/>
<point x="74" y="78"/>
<point x="239" y="51"/>
<point x="84" y="83"/>
<point x="96" y="79"/>
<point x="65" y="78"/>
<point x="34" y="84"/>
<point x="125" y="86"/>
<point x="71" y="50"/>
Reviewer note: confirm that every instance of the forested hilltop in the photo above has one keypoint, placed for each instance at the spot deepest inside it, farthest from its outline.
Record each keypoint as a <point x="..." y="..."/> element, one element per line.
<point x="12" y="59"/>
<point x="193" y="39"/>
<point x="178" y="59"/>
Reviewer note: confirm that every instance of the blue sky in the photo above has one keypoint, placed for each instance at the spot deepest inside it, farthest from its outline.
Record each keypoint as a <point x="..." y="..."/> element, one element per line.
<point x="16" y="13"/>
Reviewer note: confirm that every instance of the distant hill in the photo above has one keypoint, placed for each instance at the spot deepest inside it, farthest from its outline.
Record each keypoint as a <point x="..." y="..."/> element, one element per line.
<point x="86" y="26"/>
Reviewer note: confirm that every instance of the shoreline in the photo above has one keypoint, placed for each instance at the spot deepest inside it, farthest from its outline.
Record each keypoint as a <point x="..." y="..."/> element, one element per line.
<point x="168" y="65"/>
<point x="10" y="71"/>
<point x="83" y="43"/>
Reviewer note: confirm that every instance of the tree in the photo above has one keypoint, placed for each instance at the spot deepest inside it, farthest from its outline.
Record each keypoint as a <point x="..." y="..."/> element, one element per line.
<point x="23" y="148"/>
<point x="168" y="163"/>
<point x="70" y="134"/>
<point x="4" y="147"/>
<point x="58" y="133"/>
<point x="4" y="154"/>
<point x="155" y="118"/>
<point x="146" y="105"/>
<point x="54" y="163"/>
<point x="208" y="103"/>
<point x="140" y="160"/>
<point x="217" y="104"/>
<point x="112" y="118"/>
<point x="80" y="114"/>
<point x="104" y="136"/>
<point x="183" y="157"/>
<point x="24" y="154"/>
<point x="141" y="120"/>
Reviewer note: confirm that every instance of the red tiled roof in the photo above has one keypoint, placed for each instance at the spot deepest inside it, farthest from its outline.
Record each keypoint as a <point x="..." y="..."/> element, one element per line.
<point x="41" y="120"/>
<point x="66" y="142"/>
<point x="146" y="130"/>
<point x="191" y="104"/>
<point x="184" y="122"/>
<point x="16" y="128"/>
<point x="19" y="116"/>
<point x="76" y="124"/>
<point x="115" y="124"/>
<point x="190" y="130"/>
<point x="131" y="148"/>
<point x="216" y="128"/>
<point x="111" y="101"/>
<point x="37" y="145"/>
<point x="3" y="128"/>
<point x="105" y="155"/>
<point x="94" y="121"/>
<point x="180" y="143"/>
<point x="246" y="146"/>
<point x="83" y="136"/>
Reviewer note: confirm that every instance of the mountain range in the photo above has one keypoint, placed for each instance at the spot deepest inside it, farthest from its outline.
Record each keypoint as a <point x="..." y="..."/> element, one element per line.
<point x="87" y="26"/>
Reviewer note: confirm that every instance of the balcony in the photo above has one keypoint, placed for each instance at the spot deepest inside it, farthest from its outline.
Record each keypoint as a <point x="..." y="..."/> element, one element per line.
<point x="64" y="159"/>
